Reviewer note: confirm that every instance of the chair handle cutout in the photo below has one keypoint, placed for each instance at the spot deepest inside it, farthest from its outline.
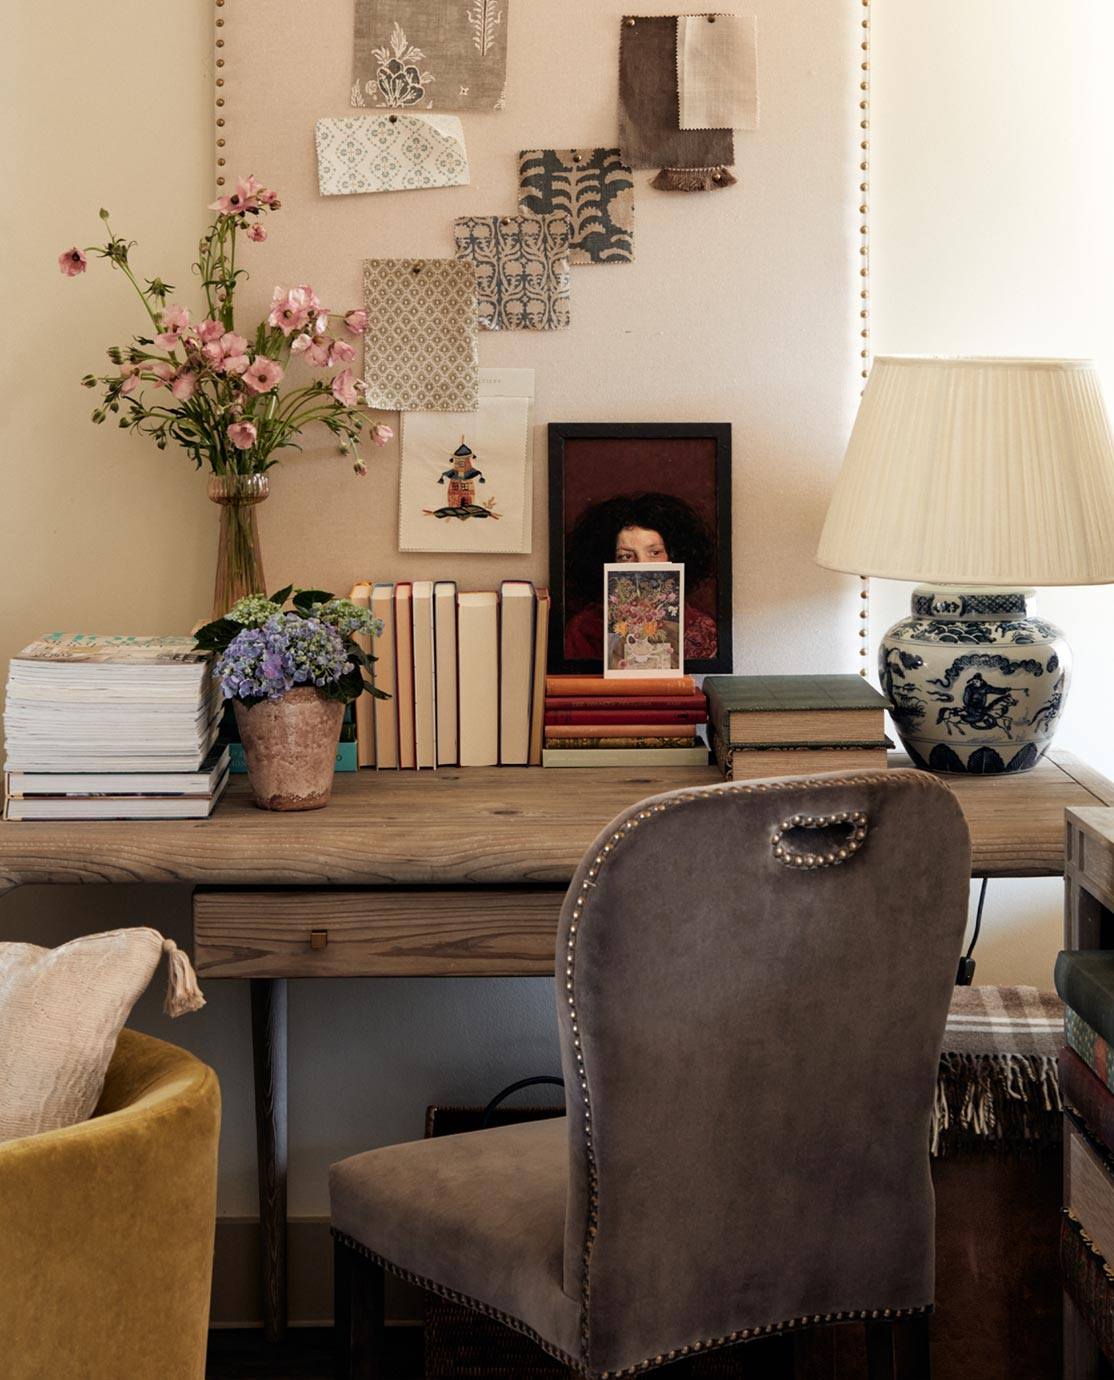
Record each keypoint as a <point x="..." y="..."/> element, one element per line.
<point x="814" y="841"/>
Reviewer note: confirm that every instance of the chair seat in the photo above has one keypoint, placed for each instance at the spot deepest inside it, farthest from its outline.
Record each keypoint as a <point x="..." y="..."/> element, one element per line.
<point x="480" y="1214"/>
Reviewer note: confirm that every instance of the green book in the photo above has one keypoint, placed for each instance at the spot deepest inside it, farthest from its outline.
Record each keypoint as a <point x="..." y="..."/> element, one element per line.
<point x="809" y="710"/>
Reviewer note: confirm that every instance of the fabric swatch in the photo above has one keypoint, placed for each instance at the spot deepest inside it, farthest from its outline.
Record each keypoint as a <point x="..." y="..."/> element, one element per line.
<point x="465" y="478"/>
<point x="430" y="54"/>
<point x="420" y="350"/>
<point x="390" y="153"/>
<point x="522" y="270"/>
<point x="650" y="132"/>
<point x="594" y="188"/>
<point x="717" y="71"/>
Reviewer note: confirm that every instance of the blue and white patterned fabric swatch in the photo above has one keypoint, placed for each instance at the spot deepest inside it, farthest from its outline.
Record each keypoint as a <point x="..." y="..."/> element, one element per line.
<point x="522" y="270"/>
<point x="594" y="188"/>
<point x="390" y="153"/>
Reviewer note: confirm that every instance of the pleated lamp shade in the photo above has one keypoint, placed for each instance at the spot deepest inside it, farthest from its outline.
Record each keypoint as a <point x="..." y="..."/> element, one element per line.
<point x="977" y="471"/>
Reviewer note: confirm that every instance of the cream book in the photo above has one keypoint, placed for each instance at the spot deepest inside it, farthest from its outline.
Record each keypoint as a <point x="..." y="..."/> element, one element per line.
<point x="425" y="713"/>
<point x="541" y="655"/>
<point x="385" y="712"/>
<point x="478" y="677"/>
<point x="444" y="672"/>
<point x="404" y="671"/>
<point x="365" y="717"/>
<point x="516" y="670"/>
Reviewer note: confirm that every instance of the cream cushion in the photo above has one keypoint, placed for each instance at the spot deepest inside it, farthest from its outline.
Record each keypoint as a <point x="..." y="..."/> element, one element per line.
<point x="60" y="1013"/>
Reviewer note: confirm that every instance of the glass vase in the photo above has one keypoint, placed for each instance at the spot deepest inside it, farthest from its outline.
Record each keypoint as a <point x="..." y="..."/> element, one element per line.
<point x="239" y="560"/>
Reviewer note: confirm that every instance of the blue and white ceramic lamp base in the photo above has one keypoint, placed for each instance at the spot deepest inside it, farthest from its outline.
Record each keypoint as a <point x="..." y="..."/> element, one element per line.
<point x="976" y="682"/>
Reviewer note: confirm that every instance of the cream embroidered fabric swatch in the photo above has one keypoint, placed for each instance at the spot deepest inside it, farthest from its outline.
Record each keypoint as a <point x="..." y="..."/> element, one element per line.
<point x="465" y="478"/>
<point x="594" y="188"/>
<point x="420" y="350"/>
<point x="650" y="132"/>
<point x="390" y="153"/>
<point x="430" y="54"/>
<point x="717" y="71"/>
<point x="522" y="270"/>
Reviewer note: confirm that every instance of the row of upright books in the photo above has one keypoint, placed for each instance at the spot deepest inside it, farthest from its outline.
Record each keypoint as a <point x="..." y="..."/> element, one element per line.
<point x="112" y="728"/>
<point x="465" y="672"/>
<point x="795" y="725"/>
<point x="602" y="721"/>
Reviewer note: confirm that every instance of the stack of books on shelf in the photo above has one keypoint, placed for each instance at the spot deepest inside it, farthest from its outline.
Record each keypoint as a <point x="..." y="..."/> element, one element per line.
<point x="112" y="728"/>
<point x="597" y="721"/>
<point x="795" y="725"/>
<point x="1085" y="982"/>
<point x="465" y="672"/>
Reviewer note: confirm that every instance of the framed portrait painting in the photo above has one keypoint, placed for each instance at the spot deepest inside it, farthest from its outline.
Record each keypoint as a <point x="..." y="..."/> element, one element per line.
<point x="639" y="494"/>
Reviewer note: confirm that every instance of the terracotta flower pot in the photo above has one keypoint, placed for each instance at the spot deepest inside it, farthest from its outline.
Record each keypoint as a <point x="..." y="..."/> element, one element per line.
<point x="290" y="746"/>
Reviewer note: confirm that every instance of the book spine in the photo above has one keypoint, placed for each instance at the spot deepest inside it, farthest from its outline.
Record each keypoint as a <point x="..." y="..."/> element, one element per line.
<point x="563" y="702"/>
<point x="1087" y="997"/>
<point x="1082" y="1090"/>
<point x="617" y="744"/>
<point x="564" y="686"/>
<point x="599" y="717"/>
<point x="620" y="731"/>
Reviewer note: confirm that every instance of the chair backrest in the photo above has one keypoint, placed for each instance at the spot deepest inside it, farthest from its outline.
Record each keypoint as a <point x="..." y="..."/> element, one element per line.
<point x="752" y="985"/>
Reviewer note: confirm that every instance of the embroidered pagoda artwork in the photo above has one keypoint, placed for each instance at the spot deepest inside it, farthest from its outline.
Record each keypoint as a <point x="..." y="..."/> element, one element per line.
<point x="462" y="477"/>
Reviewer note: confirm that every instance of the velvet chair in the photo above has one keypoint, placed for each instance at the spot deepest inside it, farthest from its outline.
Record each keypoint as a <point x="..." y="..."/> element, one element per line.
<point x="752" y="984"/>
<point x="106" y="1228"/>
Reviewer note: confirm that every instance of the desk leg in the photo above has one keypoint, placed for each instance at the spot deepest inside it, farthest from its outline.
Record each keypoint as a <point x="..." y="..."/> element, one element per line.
<point x="268" y="1039"/>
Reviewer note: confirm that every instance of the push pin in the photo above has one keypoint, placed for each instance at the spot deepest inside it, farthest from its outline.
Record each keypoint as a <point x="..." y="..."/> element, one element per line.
<point x="393" y="119"/>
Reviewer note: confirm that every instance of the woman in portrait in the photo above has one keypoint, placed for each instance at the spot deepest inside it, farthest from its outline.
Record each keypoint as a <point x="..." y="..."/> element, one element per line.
<point x="647" y="527"/>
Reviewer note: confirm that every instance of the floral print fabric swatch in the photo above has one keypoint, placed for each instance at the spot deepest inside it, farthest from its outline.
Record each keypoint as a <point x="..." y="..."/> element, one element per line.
<point x="420" y="350"/>
<point x="522" y="270"/>
<point x="430" y="54"/>
<point x="594" y="188"/>
<point x="390" y="153"/>
<point x="717" y="71"/>
<point x="650" y="132"/>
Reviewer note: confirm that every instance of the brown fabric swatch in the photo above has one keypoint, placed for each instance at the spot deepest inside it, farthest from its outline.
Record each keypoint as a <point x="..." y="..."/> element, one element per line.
<point x="430" y="54"/>
<point x="649" y="109"/>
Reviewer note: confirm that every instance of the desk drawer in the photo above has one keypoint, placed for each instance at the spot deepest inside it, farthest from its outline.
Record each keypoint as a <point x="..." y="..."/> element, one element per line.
<point x="374" y="933"/>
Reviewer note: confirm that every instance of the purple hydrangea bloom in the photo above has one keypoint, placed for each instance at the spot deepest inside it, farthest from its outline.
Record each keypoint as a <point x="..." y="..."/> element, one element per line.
<point x="287" y="651"/>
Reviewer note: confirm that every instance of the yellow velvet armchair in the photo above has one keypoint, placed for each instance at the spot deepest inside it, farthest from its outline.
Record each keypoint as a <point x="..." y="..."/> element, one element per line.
<point x="106" y="1228"/>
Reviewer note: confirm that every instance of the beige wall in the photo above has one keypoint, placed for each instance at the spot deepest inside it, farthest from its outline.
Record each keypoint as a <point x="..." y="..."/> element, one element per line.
<point x="739" y="308"/>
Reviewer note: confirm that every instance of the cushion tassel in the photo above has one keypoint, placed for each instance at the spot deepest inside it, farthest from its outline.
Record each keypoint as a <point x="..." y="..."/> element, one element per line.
<point x="693" y="179"/>
<point x="182" y="991"/>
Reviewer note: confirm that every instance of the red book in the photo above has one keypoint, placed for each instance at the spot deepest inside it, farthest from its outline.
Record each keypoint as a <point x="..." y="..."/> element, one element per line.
<point x="1087" y="1095"/>
<point x="625" y="716"/>
<point x="627" y="702"/>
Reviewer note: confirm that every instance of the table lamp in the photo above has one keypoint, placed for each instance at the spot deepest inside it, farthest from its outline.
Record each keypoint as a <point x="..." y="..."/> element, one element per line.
<point x="978" y="478"/>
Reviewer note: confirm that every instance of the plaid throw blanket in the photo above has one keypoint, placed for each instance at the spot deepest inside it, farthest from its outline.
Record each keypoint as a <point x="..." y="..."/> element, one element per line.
<point x="999" y="1084"/>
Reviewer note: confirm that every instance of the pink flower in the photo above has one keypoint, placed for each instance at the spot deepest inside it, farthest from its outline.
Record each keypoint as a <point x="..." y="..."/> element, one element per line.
<point x="344" y="389"/>
<point x="266" y="197"/>
<point x="263" y="375"/>
<point x="132" y="382"/>
<point x="300" y="343"/>
<point x="321" y="325"/>
<point x="381" y="434"/>
<point x="184" y="385"/>
<point x="212" y="353"/>
<point x="340" y="352"/>
<point x="242" y="434"/>
<point x="163" y="371"/>
<point x="72" y="261"/>
<point x="356" y="321"/>
<point x="175" y="322"/>
<point x="233" y="344"/>
<point x="209" y="330"/>
<point x="235" y="364"/>
<point x="290" y="310"/>
<point x="317" y="353"/>
<point x="359" y="466"/>
<point x="242" y="199"/>
<point x="257" y="232"/>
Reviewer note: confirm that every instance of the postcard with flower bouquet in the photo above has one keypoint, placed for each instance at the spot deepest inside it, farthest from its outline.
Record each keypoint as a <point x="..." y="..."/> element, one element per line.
<point x="644" y="615"/>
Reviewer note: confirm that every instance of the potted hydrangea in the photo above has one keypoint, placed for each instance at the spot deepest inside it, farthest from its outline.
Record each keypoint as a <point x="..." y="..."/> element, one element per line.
<point x="289" y="672"/>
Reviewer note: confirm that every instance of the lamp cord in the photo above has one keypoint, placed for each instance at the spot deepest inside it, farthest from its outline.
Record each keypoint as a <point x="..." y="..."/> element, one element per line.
<point x="967" y="963"/>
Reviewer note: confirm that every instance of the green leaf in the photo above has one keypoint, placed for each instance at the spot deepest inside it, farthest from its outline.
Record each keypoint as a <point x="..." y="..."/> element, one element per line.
<point x="305" y="599"/>
<point x="281" y="597"/>
<point x="214" y="637"/>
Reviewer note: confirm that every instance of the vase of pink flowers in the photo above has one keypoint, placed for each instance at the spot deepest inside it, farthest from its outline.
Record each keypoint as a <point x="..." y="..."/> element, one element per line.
<point x="232" y="402"/>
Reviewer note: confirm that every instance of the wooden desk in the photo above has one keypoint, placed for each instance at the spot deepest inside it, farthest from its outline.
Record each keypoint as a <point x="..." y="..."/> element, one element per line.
<point x="420" y="873"/>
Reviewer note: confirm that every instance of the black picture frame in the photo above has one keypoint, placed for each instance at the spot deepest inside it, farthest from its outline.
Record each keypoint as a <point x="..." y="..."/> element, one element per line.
<point x="560" y="434"/>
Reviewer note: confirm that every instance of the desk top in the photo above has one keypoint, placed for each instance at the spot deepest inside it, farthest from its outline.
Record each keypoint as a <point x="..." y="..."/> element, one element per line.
<point x="478" y="826"/>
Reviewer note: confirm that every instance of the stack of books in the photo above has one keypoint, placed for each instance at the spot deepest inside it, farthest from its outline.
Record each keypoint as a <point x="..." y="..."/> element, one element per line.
<point x="112" y="728"/>
<point x="795" y="725"/>
<point x="1085" y="982"/>
<point x="598" y="721"/>
<point x="465" y="672"/>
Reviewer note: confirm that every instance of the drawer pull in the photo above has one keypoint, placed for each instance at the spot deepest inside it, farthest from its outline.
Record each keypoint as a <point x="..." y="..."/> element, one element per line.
<point x="318" y="939"/>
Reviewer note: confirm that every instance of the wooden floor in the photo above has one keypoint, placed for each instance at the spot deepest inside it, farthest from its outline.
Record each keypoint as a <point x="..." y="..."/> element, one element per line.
<point x="307" y="1354"/>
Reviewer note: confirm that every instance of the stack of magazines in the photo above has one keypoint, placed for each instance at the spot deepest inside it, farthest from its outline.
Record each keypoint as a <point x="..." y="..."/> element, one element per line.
<point x="112" y="728"/>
